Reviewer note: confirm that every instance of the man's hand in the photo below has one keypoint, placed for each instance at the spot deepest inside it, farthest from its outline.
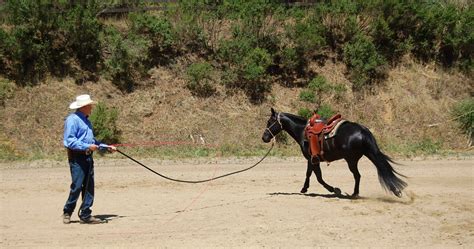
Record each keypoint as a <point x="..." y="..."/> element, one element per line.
<point x="112" y="148"/>
<point x="93" y="147"/>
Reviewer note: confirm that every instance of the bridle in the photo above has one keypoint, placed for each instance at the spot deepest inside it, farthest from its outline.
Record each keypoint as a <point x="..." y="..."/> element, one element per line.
<point x="277" y="121"/>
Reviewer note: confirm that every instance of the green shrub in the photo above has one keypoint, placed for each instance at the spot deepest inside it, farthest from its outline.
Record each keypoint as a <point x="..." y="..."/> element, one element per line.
<point x="319" y="84"/>
<point x="256" y="63"/>
<point x="339" y="90"/>
<point x="7" y="44"/>
<point x="6" y="90"/>
<point x="425" y="36"/>
<point x="426" y="146"/>
<point x="41" y="41"/>
<point x="463" y="112"/>
<point x="254" y="74"/>
<point x="340" y="22"/>
<point x="190" y="19"/>
<point x="104" y="121"/>
<point x="463" y="39"/>
<point x="126" y="63"/>
<point x="161" y="34"/>
<point x="200" y="79"/>
<point x="365" y="64"/>
<point x="291" y="62"/>
<point x="233" y="51"/>
<point x="305" y="113"/>
<point x="246" y="69"/>
<point x="325" y="111"/>
<point x="8" y="150"/>
<point x="456" y="37"/>
<point x="304" y="39"/>
<point x="282" y="138"/>
<point x="52" y="38"/>
<point x="84" y="35"/>
<point x="307" y="96"/>
<point x="392" y="44"/>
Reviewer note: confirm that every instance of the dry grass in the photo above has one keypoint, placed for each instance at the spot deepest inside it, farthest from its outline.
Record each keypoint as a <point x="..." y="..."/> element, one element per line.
<point x="413" y="97"/>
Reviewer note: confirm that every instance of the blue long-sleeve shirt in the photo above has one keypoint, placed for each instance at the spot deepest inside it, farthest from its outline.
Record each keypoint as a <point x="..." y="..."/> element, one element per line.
<point x="78" y="134"/>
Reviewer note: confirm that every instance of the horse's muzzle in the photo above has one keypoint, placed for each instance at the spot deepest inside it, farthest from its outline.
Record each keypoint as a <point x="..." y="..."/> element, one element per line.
<point x="266" y="138"/>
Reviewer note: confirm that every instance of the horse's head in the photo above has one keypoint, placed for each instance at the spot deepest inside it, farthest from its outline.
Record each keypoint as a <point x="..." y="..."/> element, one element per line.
<point x="274" y="127"/>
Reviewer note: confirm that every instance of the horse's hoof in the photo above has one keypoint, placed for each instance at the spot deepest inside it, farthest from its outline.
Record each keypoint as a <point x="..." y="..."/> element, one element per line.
<point x="304" y="190"/>
<point x="337" y="191"/>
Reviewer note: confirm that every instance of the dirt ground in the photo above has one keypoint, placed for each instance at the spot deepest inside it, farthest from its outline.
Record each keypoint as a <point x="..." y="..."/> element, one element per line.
<point x="258" y="208"/>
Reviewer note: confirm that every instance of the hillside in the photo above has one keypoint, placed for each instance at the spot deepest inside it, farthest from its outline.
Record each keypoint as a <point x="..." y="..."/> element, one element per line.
<point x="398" y="112"/>
<point x="198" y="78"/>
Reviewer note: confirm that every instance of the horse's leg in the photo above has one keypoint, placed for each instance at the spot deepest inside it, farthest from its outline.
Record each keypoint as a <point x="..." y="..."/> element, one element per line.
<point x="308" y="175"/>
<point x="319" y="176"/>
<point x="352" y="163"/>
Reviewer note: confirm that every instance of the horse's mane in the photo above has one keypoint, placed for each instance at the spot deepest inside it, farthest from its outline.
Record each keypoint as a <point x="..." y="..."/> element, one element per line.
<point x="296" y="118"/>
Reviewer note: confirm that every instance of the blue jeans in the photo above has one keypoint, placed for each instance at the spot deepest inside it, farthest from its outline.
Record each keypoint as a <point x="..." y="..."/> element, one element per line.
<point x="82" y="174"/>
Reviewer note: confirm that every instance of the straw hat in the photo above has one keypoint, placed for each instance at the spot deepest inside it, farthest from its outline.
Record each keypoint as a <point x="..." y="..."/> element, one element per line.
<point x="81" y="100"/>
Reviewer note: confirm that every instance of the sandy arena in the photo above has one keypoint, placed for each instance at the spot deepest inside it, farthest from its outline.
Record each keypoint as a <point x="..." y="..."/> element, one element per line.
<point x="258" y="208"/>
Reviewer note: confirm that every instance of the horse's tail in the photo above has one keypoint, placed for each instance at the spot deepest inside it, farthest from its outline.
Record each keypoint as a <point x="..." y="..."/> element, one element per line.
<point x="387" y="174"/>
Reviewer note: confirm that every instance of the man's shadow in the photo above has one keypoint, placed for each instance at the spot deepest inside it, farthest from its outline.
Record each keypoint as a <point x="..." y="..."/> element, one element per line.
<point x="105" y="217"/>
<point x="109" y="217"/>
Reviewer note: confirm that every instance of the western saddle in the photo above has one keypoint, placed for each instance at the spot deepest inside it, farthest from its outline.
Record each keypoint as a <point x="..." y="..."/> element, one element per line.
<point x="317" y="131"/>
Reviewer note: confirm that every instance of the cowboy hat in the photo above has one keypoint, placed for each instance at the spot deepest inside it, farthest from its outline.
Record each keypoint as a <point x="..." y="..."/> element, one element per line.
<point x="81" y="100"/>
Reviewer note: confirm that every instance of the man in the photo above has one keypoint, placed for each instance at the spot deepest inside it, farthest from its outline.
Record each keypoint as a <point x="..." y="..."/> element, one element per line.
<point x="80" y="144"/>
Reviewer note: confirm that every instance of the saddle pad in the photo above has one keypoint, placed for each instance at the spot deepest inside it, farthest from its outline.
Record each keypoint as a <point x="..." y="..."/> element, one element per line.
<point x="334" y="131"/>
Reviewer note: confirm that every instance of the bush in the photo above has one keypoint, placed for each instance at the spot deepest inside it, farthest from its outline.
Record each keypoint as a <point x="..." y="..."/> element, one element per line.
<point x="339" y="19"/>
<point x="307" y="96"/>
<point x="319" y="84"/>
<point x="234" y="50"/>
<point x="305" y="113"/>
<point x="306" y="39"/>
<point x="126" y="63"/>
<point x="51" y="38"/>
<point x="199" y="79"/>
<point x="291" y="61"/>
<point x="6" y="90"/>
<point x="84" y="35"/>
<point x="325" y="111"/>
<point x="8" y="150"/>
<point x="390" y="43"/>
<point x="7" y="43"/>
<point x="190" y="20"/>
<point x="104" y="121"/>
<point x="161" y="34"/>
<point x="255" y="64"/>
<point x="247" y="68"/>
<point x="463" y="112"/>
<point x="456" y="37"/>
<point x="254" y="74"/>
<point x="426" y="146"/>
<point x="365" y="64"/>
<point x="41" y="43"/>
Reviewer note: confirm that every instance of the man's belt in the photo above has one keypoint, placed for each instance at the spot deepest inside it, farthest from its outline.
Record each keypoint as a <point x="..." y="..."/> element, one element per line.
<point x="71" y="152"/>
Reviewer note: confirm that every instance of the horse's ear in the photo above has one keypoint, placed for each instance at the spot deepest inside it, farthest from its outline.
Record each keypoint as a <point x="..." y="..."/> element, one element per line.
<point x="273" y="111"/>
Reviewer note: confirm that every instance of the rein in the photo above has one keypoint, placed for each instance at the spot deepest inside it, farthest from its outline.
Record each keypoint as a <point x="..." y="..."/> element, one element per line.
<point x="200" y="181"/>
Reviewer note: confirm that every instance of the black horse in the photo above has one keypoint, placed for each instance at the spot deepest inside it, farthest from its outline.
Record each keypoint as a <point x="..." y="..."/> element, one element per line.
<point x="351" y="143"/>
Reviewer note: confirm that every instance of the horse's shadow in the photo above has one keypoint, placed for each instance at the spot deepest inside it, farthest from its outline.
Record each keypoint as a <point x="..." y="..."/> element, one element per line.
<point x="339" y="196"/>
<point x="346" y="196"/>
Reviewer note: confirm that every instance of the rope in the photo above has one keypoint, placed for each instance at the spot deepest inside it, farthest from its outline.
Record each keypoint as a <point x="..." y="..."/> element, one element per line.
<point x="200" y="181"/>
